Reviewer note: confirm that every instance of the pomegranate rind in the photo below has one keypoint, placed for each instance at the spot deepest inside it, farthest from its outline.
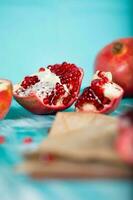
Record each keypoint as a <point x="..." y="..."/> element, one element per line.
<point x="6" y="94"/>
<point x="33" y="104"/>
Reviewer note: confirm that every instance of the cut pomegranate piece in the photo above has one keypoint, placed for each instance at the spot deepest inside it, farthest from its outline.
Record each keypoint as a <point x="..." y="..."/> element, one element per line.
<point x="124" y="142"/>
<point x="103" y="96"/>
<point x="52" y="89"/>
<point x="5" y="97"/>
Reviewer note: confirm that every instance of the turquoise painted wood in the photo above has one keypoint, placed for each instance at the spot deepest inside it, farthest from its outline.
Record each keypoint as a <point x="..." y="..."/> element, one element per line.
<point x="19" y="124"/>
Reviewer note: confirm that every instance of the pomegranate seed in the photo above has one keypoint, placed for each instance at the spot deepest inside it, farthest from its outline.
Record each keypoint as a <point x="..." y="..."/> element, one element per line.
<point x="103" y="76"/>
<point x="64" y="63"/>
<point x="77" y="73"/>
<point x="106" y="100"/>
<point x="28" y="81"/>
<point x="63" y="81"/>
<point x="96" y="85"/>
<point x="27" y="140"/>
<point x="66" y="100"/>
<point x="45" y="100"/>
<point x="42" y="69"/>
<point x="2" y="139"/>
<point x="50" y="98"/>
<point x="57" y="84"/>
<point x="27" y="78"/>
<point x="75" y="88"/>
<point x="55" y="99"/>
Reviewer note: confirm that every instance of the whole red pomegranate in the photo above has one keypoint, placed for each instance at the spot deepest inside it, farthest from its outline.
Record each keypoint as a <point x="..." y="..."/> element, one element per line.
<point x="52" y="89"/>
<point x="117" y="57"/>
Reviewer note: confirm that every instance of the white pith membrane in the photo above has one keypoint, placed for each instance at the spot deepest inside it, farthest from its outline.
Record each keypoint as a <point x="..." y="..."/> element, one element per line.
<point x="110" y="90"/>
<point x="4" y="85"/>
<point x="43" y="88"/>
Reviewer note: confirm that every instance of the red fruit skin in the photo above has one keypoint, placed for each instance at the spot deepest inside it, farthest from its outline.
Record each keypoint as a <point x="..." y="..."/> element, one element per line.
<point x="124" y="145"/>
<point x="120" y="64"/>
<point x="33" y="104"/>
<point x="108" y="108"/>
<point x="5" y="98"/>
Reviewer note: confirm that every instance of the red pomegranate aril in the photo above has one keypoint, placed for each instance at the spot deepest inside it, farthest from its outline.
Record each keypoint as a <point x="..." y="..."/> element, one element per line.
<point x="50" y="99"/>
<point x="76" y="74"/>
<point x="66" y="100"/>
<point x="27" y="78"/>
<point x="60" y="92"/>
<point x="42" y="69"/>
<point x="2" y="139"/>
<point x="59" y="89"/>
<point x="27" y="140"/>
<point x="74" y="79"/>
<point x="96" y="85"/>
<point x="24" y="84"/>
<point x="46" y="100"/>
<point x="106" y="100"/>
<point x="64" y="63"/>
<point x="74" y="88"/>
<point x="101" y="74"/>
<point x="57" y="85"/>
<point x="55" y="99"/>
<point x="63" y="81"/>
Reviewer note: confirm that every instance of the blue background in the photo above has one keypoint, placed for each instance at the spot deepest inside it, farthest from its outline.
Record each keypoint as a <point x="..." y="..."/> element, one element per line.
<point x="35" y="33"/>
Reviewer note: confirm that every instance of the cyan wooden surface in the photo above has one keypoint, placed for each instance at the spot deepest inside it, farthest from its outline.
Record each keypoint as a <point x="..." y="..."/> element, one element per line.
<point x="19" y="124"/>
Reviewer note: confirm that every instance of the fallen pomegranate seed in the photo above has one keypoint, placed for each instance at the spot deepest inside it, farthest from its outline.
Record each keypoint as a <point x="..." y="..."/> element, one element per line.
<point x="27" y="140"/>
<point x="2" y="139"/>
